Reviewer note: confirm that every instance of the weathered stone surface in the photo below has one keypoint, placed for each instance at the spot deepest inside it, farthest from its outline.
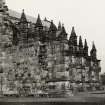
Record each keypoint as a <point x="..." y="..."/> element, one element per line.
<point x="38" y="58"/>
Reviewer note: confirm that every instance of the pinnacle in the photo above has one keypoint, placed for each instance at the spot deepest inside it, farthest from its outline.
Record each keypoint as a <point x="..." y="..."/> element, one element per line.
<point x="73" y="34"/>
<point x="85" y="44"/>
<point x="23" y="17"/>
<point x="73" y="30"/>
<point x="38" y="22"/>
<point x="59" y="26"/>
<point x="93" y="47"/>
<point x="63" y="29"/>
<point x="80" y="42"/>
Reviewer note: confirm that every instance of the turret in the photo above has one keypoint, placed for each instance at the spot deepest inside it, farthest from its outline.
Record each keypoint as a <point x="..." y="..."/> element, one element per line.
<point x="85" y="48"/>
<point x="73" y="38"/>
<point x="40" y="33"/>
<point x="93" y="52"/>
<point x="23" y="27"/>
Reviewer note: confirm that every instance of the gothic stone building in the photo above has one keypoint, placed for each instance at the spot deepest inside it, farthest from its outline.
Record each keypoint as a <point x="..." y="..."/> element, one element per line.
<point x="36" y="56"/>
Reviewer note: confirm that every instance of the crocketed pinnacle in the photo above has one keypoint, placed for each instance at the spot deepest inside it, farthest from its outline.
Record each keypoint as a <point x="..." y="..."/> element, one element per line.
<point x="23" y="18"/>
<point x="38" y="22"/>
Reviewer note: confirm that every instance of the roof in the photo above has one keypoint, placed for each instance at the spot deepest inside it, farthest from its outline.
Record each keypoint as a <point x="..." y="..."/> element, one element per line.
<point x="17" y="15"/>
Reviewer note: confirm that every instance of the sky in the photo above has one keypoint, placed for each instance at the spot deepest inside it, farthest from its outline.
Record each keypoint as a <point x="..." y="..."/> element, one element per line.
<point x="87" y="16"/>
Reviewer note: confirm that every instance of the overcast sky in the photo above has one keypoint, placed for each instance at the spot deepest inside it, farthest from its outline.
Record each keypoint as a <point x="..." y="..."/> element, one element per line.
<point x="88" y="17"/>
